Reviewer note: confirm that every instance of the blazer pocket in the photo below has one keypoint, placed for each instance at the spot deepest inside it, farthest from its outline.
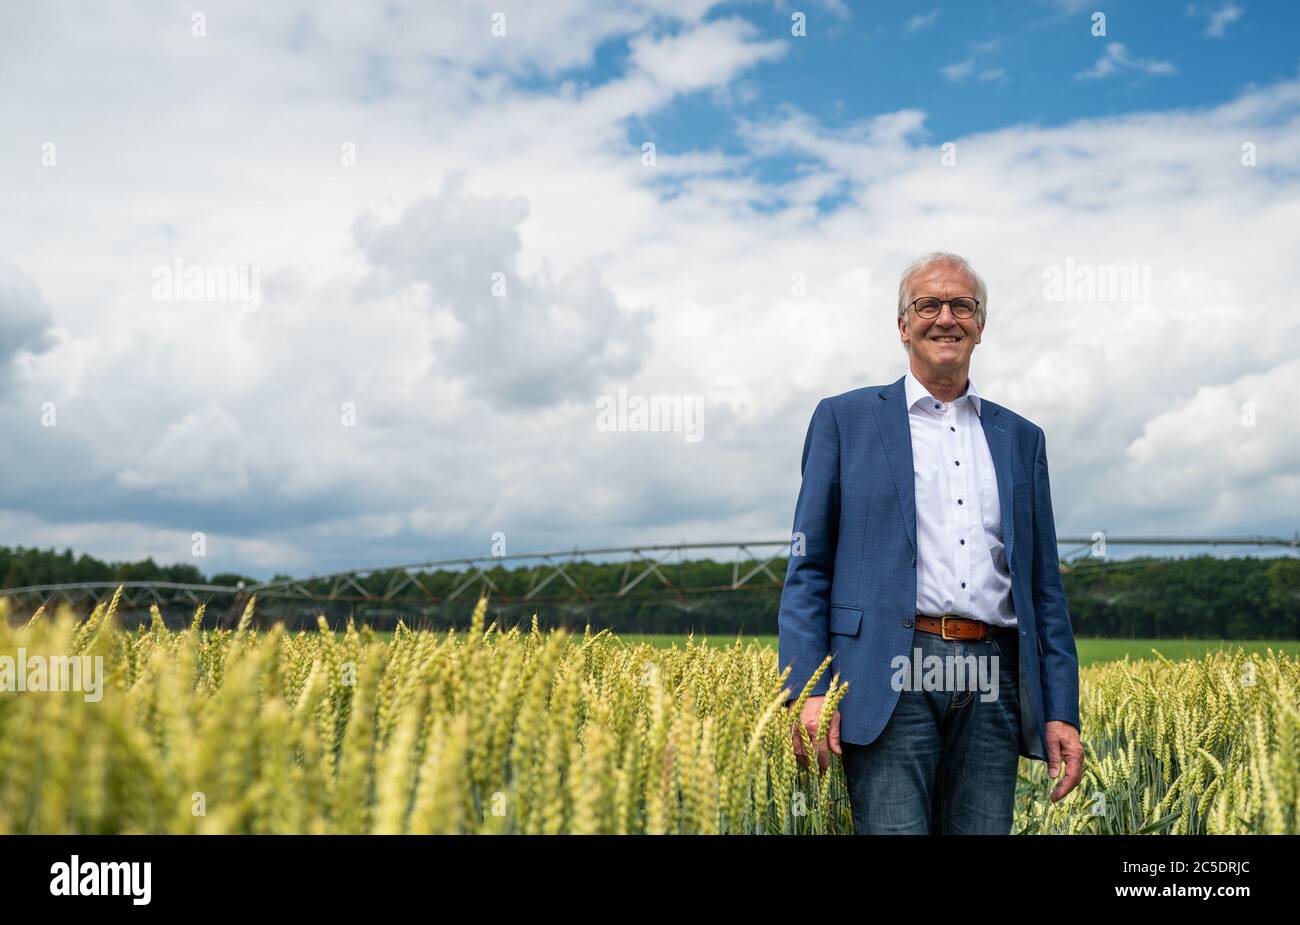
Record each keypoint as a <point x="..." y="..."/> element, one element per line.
<point x="845" y="620"/>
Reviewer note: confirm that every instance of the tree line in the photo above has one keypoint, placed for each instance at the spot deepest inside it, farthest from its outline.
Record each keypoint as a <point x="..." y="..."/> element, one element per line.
<point x="1202" y="597"/>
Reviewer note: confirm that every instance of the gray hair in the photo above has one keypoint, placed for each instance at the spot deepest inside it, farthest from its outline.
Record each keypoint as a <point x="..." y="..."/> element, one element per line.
<point x="921" y="263"/>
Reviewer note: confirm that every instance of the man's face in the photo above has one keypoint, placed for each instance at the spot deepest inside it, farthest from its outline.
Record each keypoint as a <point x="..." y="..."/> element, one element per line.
<point x="943" y="343"/>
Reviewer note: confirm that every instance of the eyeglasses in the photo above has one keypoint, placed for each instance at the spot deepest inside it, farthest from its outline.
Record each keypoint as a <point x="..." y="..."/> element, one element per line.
<point x="929" y="308"/>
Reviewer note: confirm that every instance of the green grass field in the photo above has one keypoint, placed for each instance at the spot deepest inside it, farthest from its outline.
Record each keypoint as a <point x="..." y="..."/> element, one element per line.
<point x="1091" y="651"/>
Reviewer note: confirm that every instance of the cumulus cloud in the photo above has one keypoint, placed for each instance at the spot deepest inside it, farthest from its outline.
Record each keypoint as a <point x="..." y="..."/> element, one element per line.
<point x="704" y="56"/>
<point x="25" y="320"/>
<point x="1240" y="427"/>
<point x="519" y="340"/>
<point x="200" y="458"/>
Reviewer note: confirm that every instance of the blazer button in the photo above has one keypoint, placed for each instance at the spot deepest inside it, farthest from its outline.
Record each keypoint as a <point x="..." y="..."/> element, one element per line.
<point x="907" y="621"/>
<point x="913" y="561"/>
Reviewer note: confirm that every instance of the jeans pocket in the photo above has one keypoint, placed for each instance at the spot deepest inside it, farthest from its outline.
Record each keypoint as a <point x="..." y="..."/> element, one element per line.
<point x="1008" y="647"/>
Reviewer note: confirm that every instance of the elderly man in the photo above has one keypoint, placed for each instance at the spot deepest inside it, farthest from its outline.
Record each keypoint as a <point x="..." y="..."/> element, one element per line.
<point x="924" y="528"/>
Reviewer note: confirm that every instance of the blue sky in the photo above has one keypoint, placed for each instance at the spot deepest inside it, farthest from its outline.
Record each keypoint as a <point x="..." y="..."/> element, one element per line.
<point x="381" y="403"/>
<point x="1015" y="62"/>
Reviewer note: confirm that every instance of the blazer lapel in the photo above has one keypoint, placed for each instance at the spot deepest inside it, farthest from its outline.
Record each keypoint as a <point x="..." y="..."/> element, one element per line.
<point x="896" y="437"/>
<point x="999" y="439"/>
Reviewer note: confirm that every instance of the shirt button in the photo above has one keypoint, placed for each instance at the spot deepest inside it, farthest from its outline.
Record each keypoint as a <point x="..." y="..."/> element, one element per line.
<point x="963" y="542"/>
<point x="956" y="462"/>
<point x="952" y="429"/>
<point x="959" y="500"/>
<point x="936" y="404"/>
<point x="963" y="584"/>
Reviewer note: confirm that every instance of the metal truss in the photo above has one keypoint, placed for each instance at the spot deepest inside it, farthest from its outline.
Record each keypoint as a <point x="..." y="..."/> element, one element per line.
<point x="752" y="569"/>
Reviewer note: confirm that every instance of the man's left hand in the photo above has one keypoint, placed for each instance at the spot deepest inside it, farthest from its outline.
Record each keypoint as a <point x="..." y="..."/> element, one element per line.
<point x="1063" y="743"/>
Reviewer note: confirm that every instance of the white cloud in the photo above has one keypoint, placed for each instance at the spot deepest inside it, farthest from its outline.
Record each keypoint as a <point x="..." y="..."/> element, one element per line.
<point x="959" y="70"/>
<point x="976" y="64"/>
<point x="516" y="340"/>
<point x="25" y="320"/>
<point x="919" y="21"/>
<point x="1217" y="18"/>
<point x="1116" y="58"/>
<point x="705" y="56"/>
<point x="200" y="458"/>
<point x="1243" y="427"/>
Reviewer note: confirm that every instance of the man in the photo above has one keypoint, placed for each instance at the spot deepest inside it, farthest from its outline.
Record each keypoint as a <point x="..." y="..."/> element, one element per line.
<point x="924" y="528"/>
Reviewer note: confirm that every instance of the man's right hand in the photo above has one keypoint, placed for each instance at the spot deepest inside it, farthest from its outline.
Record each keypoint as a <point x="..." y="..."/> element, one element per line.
<point x="812" y="711"/>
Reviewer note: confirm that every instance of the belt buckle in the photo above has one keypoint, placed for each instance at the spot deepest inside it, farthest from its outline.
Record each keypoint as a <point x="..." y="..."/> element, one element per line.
<point x="943" y="626"/>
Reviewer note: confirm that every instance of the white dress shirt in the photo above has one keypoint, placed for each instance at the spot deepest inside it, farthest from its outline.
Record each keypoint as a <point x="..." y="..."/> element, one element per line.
<point x="961" y="562"/>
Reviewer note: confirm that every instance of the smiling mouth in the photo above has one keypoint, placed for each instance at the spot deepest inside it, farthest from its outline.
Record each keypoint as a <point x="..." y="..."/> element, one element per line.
<point x="945" y="340"/>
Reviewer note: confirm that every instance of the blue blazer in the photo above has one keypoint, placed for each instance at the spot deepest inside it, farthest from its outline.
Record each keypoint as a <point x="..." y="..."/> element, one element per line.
<point x="852" y="595"/>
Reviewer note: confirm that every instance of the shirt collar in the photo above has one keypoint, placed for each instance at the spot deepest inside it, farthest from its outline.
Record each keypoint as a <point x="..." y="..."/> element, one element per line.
<point x="916" y="392"/>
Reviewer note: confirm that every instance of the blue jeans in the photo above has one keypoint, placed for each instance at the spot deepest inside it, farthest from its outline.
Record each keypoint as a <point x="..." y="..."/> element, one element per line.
<point x="946" y="761"/>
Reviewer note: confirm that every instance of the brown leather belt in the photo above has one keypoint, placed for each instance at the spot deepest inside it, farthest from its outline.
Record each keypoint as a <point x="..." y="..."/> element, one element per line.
<point x="951" y="626"/>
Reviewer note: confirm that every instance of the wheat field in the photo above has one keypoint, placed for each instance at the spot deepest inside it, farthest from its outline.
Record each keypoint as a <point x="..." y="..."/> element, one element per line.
<point x="521" y="731"/>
